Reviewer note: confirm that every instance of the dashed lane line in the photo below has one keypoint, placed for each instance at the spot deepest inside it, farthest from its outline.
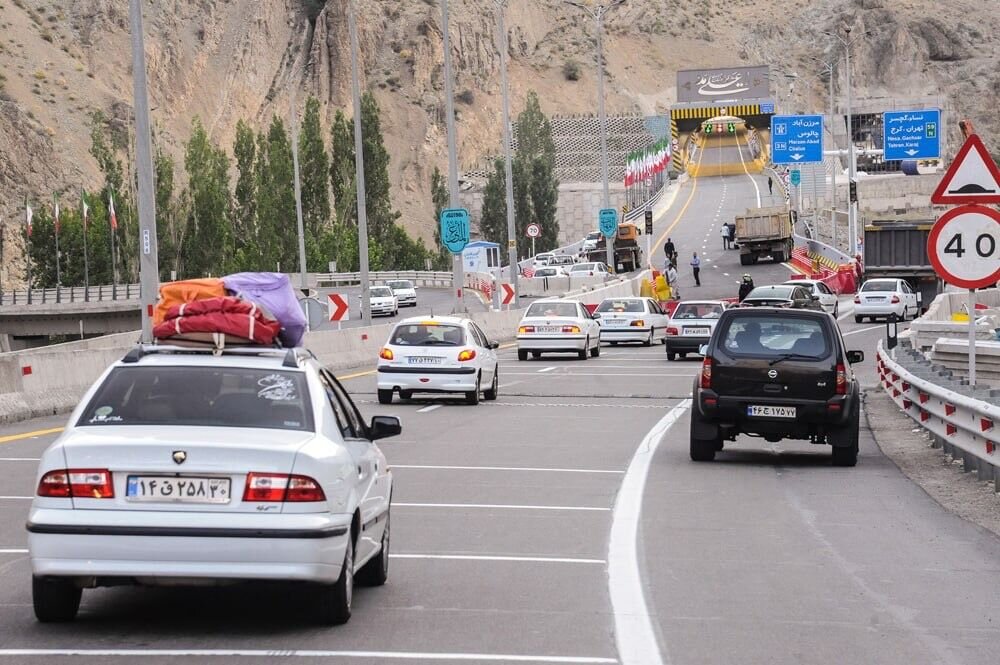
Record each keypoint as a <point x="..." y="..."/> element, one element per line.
<point x="428" y="409"/>
<point x="20" y="459"/>
<point x="862" y="330"/>
<point x="544" y="369"/>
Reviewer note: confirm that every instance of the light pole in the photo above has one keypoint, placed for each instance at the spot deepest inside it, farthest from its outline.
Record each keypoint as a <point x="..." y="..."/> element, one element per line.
<point x="294" y="120"/>
<point x="597" y="12"/>
<point x="830" y="69"/>
<point x="501" y="6"/>
<point x="359" y="165"/>
<point x="449" y="106"/>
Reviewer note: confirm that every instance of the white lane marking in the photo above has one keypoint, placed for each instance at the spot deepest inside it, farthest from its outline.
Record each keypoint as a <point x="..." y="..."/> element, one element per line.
<point x="855" y="332"/>
<point x="725" y="274"/>
<point x="16" y="498"/>
<point x="634" y="632"/>
<point x="490" y="506"/>
<point x="744" y="164"/>
<point x="303" y="653"/>
<point x="20" y="459"/>
<point x="848" y="313"/>
<point x="545" y="369"/>
<point x="483" y="557"/>
<point x="499" y="468"/>
<point x="13" y="551"/>
<point x="428" y="409"/>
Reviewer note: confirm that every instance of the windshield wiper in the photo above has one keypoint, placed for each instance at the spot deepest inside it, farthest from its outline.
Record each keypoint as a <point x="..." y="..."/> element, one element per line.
<point x="791" y="356"/>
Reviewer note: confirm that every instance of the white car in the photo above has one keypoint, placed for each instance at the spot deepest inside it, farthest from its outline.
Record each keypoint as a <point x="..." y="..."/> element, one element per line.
<point x="383" y="301"/>
<point x="405" y="292"/>
<point x="827" y="298"/>
<point x="438" y="354"/>
<point x="542" y="259"/>
<point x="632" y="320"/>
<point x="561" y="260"/>
<point x="182" y="467"/>
<point x="591" y="241"/>
<point x="691" y="326"/>
<point x="549" y="271"/>
<point x="591" y="268"/>
<point x="558" y="326"/>
<point x="884" y="297"/>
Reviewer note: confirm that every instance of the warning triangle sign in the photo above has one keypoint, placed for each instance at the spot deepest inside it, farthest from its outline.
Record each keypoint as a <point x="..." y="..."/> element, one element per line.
<point x="972" y="178"/>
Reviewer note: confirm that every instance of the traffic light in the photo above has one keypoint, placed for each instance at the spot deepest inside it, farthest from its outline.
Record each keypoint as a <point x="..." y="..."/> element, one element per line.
<point x="853" y="196"/>
<point x="708" y="129"/>
<point x="732" y="127"/>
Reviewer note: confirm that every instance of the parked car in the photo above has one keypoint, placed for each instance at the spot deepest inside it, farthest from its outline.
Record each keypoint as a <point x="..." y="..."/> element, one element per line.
<point x="591" y="268"/>
<point x="778" y="374"/>
<point x="182" y="466"/>
<point x="691" y="325"/>
<point x="383" y="301"/>
<point x="886" y="297"/>
<point x="438" y="354"/>
<point x="558" y="326"/>
<point x="631" y="320"/>
<point x="405" y="292"/>
<point x="827" y="298"/>
<point x="782" y="295"/>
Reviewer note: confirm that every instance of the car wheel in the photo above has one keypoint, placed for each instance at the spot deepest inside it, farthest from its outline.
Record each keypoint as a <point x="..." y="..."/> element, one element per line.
<point x="405" y="394"/>
<point x="491" y="393"/>
<point x="385" y="396"/>
<point x="683" y="355"/>
<point x="649" y="340"/>
<point x="583" y="354"/>
<point x="613" y="343"/>
<point x="472" y="397"/>
<point x="701" y="450"/>
<point x="671" y="355"/>
<point x="858" y="319"/>
<point x="522" y="354"/>
<point x="836" y="310"/>
<point x="845" y="440"/>
<point x="376" y="571"/>
<point x="55" y="599"/>
<point x="596" y="351"/>
<point x="333" y="606"/>
<point x="536" y="354"/>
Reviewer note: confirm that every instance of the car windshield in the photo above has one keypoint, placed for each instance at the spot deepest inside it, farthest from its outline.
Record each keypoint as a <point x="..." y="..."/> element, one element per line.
<point x="553" y="309"/>
<point x="690" y="310"/>
<point x="621" y="306"/>
<point x="879" y="286"/>
<point x="774" y="335"/>
<point x="381" y="292"/>
<point x="400" y="285"/>
<point x="201" y="396"/>
<point x="771" y="293"/>
<point x="427" y="334"/>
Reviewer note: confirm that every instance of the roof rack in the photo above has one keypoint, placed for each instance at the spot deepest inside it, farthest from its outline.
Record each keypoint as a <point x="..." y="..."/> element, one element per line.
<point x="292" y="356"/>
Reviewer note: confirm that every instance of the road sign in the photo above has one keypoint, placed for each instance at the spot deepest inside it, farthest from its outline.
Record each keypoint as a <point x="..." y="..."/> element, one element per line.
<point x="649" y="222"/>
<point x="608" y="222"/>
<point x="796" y="177"/>
<point x="506" y="294"/>
<point x="911" y="134"/>
<point x="337" y="307"/>
<point x="964" y="246"/>
<point x="767" y="107"/>
<point x="971" y="178"/>
<point x="796" y="139"/>
<point x="455" y="229"/>
<point x="533" y="231"/>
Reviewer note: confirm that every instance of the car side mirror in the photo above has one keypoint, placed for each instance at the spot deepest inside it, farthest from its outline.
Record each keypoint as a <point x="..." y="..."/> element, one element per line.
<point x="703" y="349"/>
<point x="815" y="298"/>
<point x="596" y="315"/>
<point x="383" y="427"/>
<point x="494" y="345"/>
<point x="855" y="357"/>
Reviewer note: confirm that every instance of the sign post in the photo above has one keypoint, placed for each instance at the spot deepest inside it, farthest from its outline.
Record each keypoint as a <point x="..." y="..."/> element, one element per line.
<point x="608" y="226"/>
<point x="337" y="308"/>
<point x="533" y="231"/>
<point x="649" y="235"/>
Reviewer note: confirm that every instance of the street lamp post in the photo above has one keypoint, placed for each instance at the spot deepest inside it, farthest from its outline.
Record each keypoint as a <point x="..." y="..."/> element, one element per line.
<point x="501" y="6"/>
<point x="359" y="165"/>
<point x="597" y="13"/>
<point x="829" y="67"/>
<point x="449" y="105"/>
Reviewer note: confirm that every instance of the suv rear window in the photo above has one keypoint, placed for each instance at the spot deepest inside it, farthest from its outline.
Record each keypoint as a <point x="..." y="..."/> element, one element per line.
<point x="201" y="396"/>
<point x="774" y="335"/>
<point x="425" y="334"/>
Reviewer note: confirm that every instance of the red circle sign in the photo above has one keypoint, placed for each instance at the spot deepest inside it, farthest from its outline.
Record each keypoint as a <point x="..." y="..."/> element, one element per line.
<point x="533" y="230"/>
<point x="964" y="246"/>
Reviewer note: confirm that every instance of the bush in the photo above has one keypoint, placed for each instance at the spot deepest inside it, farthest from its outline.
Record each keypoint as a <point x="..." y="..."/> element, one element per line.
<point x="466" y="97"/>
<point x="571" y="70"/>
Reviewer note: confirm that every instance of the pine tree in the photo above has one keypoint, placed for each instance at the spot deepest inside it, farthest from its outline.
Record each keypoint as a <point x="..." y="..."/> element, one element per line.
<point x="209" y="231"/>
<point x="535" y="162"/>
<point x="342" y="170"/>
<point x="440" y="196"/>
<point x="313" y="167"/>
<point x="493" y="224"/>
<point x="276" y="200"/>
<point x="245" y="197"/>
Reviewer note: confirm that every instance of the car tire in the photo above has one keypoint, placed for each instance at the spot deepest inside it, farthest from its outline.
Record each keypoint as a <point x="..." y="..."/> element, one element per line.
<point x="385" y="396"/>
<point x="596" y="351"/>
<point x="536" y="354"/>
<point x="845" y="440"/>
<point x="55" y="599"/>
<point x="671" y="356"/>
<point x="649" y="340"/>
<point x="376" y="571"/>
<point x="683" y="354"/>
<point x="582" y="355"/>
<point x="405" y="394"/>
<point x="701" y="450"/>
<point x="333" y="603"/>
<point x="836" y="311"/>
<point x="494" y="389"/>
<point x="472" y="397"/>
<point x="613" y="343"/>
<point x="858" y="319"/>
<point x="522" y="354"/>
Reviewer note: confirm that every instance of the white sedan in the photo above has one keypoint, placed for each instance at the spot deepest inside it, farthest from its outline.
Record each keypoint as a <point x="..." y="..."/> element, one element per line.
<point x="632" y="320"/>
<point x="383" y="301"/>
<point x="691" y="326"/>
<point x="438" y="354"/>
<point x="885" y="297"/>
<point x="558" y="326"/>
<point x="827" y="298"/>
<point x="592" y="268"/>
<point x="548" y="271"/>
<point x="184" y="467"/>
<point x="405" y="292"/>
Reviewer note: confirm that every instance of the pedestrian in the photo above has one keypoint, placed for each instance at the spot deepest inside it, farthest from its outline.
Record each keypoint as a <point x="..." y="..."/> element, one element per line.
<point x="670" y="251"/>
<point x="732" y="235"/>
<point x="675" y="292"/>
<point x="746" y="286"/>
<point x="696" y="269"/>
<point x="770" y="186"/>
<point x="725" y="236"/>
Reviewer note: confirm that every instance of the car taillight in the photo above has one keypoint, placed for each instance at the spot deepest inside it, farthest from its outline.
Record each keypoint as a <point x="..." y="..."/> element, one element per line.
<point x="841" y="379"/>
<point x="706" y="372"/>
<point x="571" y="329"/>
<point x="526" y="329"/>
<point x="895" y="300"/>
<point x="673" y="331"/>
<point x="638" y="323"/>
<point x="857" y="300"/>
<point x="77" y="483"/>
<point x="272" y="487"/>
<point x="386" y="354"/>
<point x="467" y="354"/>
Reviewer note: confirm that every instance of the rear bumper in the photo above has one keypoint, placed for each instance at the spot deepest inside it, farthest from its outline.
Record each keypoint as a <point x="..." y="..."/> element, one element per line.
<point x="813" y="417"/>
<point x="567" y="343"/>
<point x="624" y="334"/>
<point x="424" y="379"/>
<point x="684" y="344"/>
<point x="878" y="309"/>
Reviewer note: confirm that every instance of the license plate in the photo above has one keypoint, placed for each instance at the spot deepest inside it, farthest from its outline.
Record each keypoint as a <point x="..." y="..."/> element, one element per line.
<point x="177" y="490"/>
<point x="771" y="411"/>
<point x="424" y="360"/>
<point x="616" y="322"/>
<point x="697" y="332"/>
<point x="876" y="298"/>
<point x="548" y="329"/>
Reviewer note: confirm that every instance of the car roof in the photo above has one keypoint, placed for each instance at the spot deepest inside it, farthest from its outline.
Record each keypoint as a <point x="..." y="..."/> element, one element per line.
<point x="440" y="320"/>
<point x="780" y="311"/>
<point x="794" y="282"/>
<point x="252" y="356"/>
<point x="772" y="287"/>
<point x="702" y="302"/>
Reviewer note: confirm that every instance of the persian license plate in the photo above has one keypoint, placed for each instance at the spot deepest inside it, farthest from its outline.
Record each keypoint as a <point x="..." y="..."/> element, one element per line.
<point x="424" y="360"/>
<point x="615" y="322"/>
<point x="549" y="329"/>
<point x="698" y="332"/>
<point x="757" y="411"/>
<point x="876" y="299"/>
<point x="177" y="490"/>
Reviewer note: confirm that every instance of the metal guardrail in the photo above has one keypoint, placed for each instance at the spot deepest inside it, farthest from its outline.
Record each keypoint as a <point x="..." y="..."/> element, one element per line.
<point x="71" y="294"/>
<point x="418" y="277"/>
<point x="965" y="427"/>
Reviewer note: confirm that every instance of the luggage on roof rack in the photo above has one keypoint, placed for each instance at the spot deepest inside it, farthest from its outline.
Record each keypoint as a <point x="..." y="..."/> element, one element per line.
<point x="218" y="322"/>
<point x="274" y="291"/>
<point x="186" y="291"/>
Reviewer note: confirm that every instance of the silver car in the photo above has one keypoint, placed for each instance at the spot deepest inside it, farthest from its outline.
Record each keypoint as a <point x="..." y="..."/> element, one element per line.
<point x="691" y="326"/>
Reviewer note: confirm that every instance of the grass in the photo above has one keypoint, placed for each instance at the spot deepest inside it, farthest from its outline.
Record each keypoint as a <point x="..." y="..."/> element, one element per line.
<point x="40" y="75"/>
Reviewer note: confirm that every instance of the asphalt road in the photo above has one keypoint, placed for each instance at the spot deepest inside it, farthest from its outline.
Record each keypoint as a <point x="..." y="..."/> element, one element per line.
<point x="429" y="300"/>
<point x="529" y="528"/>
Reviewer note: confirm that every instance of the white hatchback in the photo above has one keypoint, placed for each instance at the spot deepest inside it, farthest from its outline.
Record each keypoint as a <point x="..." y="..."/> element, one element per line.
<point x="383" y="301"/>
<point x="405" y="292"/>
<point x="827" y="298"/>
<point x="184" y="467"/>
<point x="438" y="354"/>
<point x="632" y="320"/>
<point x="558" y="326"/>
<point x="884" y="298"/>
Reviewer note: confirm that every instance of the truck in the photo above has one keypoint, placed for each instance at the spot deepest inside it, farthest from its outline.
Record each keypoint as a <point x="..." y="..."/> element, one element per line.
<point x="627" y="252"/>
<point x="764" y="232"/>
<point x="895" y="246"/>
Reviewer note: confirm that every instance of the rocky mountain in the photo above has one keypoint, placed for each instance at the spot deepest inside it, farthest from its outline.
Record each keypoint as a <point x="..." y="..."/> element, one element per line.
<point x="229" y="59"/>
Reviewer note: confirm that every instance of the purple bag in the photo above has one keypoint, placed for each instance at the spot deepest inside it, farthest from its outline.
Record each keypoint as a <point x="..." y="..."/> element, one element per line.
<point x="274" y="291"/>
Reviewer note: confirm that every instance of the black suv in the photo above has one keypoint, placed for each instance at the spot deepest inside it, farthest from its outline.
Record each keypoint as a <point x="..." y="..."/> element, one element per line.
<point x="778" y="374"/>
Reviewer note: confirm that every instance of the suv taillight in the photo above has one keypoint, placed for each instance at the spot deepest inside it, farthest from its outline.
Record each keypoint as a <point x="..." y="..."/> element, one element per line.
<point x="706" y="372"/>
<point x="77" y="483"/>
<point x="271" y="487"/>
<point x="841" y="379"/>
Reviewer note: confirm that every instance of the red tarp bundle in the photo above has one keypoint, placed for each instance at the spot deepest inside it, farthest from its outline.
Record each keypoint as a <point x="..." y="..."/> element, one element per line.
<point x="231" y="316"/>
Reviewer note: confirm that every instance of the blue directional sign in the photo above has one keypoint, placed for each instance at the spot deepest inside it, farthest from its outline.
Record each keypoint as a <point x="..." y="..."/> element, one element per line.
<point x="796" y="177"/>
<point x="767" y="107"/>
<point x="796" y="139"/>
<point x="608" y="222"/>
<point x="912" y="134"/>
<point x="455" y="229"/>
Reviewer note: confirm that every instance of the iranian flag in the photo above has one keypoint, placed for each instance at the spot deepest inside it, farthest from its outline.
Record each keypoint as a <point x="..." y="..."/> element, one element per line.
<point x="111" y="212"/>
<point x="28" y="214"/>
<point x="85" y="210"/>
<point x="56" y="217"/>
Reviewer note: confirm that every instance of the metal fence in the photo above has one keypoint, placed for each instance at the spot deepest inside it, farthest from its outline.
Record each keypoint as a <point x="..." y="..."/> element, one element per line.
<point x="418" y="277"/>
<point x="71" y="294"/>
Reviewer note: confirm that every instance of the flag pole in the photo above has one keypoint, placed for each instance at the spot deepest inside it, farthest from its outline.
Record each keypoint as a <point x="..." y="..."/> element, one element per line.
<point x="86" y="257"/>
<point x="112" y="222"/>
<point x="27" y="244"/>
<point x="55" y="209"/>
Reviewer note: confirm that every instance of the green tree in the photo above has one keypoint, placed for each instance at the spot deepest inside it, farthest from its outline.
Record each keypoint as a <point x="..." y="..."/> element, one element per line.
<point x="207" y="247"/>
<point x="245" y="196"/>
<point x="313" y="167"/>
<point x="168" y="231"/>
<point x="276" y="200"/>
<point x="42" y="247"/>
<point x="106" y="143"/>
<point x="493" y="224"/>
<point x="440" y="196"/>
<point x="342" y="169"/>
<point x="536" y="189"/>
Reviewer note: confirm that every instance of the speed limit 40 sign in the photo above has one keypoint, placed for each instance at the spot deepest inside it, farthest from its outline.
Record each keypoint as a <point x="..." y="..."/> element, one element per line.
<point x="964" y="246"/>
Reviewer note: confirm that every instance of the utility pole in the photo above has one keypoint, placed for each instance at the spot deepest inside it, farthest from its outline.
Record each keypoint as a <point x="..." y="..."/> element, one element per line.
<point x="852" y="212"/>
<point x="149" y="277"/>
<point x="449" y="106"/>
<point x="501" y="6"/>
<point x="294" y="121"/>
<point x="359" y="164"/>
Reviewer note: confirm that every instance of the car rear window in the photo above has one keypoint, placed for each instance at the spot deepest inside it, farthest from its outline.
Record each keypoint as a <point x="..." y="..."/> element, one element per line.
<point x="775" y="335"/>
<point x="697" y="311"/>
<point x="201" y="396"/>
<point x="427" y="334"/>
<point x="771" y="292"/>
<point x="621" y="306"/>
<point x="880" y="286"/>
<point x="553" y="309"/>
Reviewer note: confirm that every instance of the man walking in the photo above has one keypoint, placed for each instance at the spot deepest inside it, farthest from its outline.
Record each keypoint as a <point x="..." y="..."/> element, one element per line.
<point x="675" y="292"/>
<point x="725" y="236"/>
<point x="770" y="186"/>
<point x="696" y="269"/>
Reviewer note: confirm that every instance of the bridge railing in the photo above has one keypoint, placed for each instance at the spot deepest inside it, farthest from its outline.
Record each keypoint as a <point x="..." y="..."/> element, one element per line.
<point x="71" y="294"/>
<point x="418" y="277"/>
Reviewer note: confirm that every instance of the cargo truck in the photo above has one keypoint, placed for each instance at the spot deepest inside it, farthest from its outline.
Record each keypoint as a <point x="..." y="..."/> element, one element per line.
<point x="895" y="246"/>
<point x="764" y="232"/>
<point x="628" y="256"/>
